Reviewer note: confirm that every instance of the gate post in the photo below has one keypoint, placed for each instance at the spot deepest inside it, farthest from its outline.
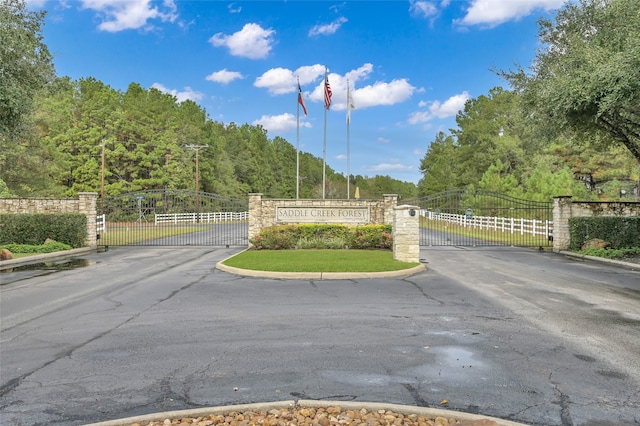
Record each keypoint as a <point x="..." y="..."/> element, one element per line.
<point x="406" y="234"/>
<point x="561" y="216"/>
<point x="255" y="216"/>
<point x="87" y="205"/>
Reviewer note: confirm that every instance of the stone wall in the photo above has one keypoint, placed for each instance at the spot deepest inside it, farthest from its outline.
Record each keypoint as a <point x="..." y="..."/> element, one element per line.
<point x="564" y="208"/>
<point x="85" y="203"/>
<point x="264" y="213"/>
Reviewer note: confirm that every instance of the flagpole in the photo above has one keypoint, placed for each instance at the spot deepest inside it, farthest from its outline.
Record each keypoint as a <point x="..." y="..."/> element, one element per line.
<point x="298" y="144"/>
<point x="348" y="142"/>
<point x="324" y="157"/>
<point x="324" y="145"/>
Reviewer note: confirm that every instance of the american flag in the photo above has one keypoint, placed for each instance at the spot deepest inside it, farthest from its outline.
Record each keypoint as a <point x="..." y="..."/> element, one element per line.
<point x="301" y="101"/>
<point x="327" y="92"/>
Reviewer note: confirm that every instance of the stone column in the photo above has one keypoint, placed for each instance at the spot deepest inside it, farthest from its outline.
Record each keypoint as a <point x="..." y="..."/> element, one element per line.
<point x="390" y="201"/>
<point x="255" y="215"/>
<point x="561" y="216"/>
<point x="87" y="205"/>
<point x="406" y="234"/>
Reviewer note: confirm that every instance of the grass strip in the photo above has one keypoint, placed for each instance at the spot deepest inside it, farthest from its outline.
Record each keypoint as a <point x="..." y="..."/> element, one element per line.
<point x="127" y="235"/>
<point x="487" y="234"/>
<point x="318" y="261"/>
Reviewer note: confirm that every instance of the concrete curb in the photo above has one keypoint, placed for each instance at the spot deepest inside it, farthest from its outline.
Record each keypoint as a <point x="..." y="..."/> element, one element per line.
<point x="267" y="406"/>
<point x="628" y="265"/>
<point x="14" y="263"/>
<point x="316" y="275"/>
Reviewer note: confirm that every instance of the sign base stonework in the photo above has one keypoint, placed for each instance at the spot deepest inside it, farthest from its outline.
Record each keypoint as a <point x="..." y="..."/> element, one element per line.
<point x="264" y="213"/>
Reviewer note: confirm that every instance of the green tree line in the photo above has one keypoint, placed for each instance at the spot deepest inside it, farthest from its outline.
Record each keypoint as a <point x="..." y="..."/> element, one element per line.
<point x="59" y="137"/>
<point x="498" y="147"/>
<point x="568" y="125"/>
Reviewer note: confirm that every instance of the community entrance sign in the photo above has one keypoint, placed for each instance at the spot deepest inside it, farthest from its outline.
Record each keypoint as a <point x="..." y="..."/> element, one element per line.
<point x="324" y="214"/>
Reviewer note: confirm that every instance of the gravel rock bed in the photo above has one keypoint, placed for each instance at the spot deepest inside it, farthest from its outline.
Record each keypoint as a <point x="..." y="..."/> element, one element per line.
<point x="329" y="416"/>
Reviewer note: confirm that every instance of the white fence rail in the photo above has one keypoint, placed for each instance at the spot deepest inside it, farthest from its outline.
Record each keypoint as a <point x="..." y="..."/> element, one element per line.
<point x="101" y="223"/>
<point x="210" y="217"/>
<point x="504" y="224"/>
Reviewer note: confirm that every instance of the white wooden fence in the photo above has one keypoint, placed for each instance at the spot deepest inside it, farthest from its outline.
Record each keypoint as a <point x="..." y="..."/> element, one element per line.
<point x="211" y="217"/>
<point x="504" y="224"/>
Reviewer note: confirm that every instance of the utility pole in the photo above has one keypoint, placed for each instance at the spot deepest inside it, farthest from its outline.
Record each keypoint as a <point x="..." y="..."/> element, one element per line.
<point x="102" y="186"/>
<point x="197" y="149"/>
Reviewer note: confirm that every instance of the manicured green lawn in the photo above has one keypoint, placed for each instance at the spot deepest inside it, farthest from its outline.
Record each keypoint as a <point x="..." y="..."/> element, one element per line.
<point x="318" y="261"/>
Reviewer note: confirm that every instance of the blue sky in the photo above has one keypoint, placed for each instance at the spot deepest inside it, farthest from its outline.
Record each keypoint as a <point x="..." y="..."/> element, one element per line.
<point x="411" y="65"/>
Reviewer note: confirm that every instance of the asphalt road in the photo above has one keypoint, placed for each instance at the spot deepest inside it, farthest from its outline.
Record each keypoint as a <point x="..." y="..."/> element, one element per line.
<point x="531" y="337"/>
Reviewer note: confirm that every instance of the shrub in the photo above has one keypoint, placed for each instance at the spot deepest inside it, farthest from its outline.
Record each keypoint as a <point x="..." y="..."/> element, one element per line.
<point x="321" y="243"/>
<point x="611" y="253"/>
<point x="619" y="231"/>
<point x="372" y="237"/>
<point x="324" y="237"/>
<point x="35" y="228"/>
<point x="49" y="247"/>
<point x="276" y="238"/>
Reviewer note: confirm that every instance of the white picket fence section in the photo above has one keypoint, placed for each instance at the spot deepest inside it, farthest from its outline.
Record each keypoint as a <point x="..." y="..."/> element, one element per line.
<point x="504" y="224"/>
<point x="211" y="217"/>
<point x="101" y="223"/>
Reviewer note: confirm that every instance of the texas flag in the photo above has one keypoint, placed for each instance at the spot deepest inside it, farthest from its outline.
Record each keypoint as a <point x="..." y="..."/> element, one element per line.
<point x="301" y="101"/>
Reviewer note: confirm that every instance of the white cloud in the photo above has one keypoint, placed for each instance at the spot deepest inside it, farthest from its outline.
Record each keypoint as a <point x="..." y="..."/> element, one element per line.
<point x="380" y="93"/>
<point x="383" y="140"/>
<point x="279" y="123"/>
<point x="224" y="76"/>
<point x="423" y="8"/>
<point x="252" y="41"/>
<point x="233" y="8"/>
<point x="436" y="109"/>
<point x="496" y="12"/>
<point x="188" y="93"/>
<point x="386" y="167"/>
<point x="35" y="4"/>
<point x="341" y="157"/>
<point x="327" y="29"/>
<point x="280" y="81"/>
<point x="119" y="15"/>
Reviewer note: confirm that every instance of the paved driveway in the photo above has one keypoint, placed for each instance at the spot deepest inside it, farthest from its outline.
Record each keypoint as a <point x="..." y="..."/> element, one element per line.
<point x="513" y="333"/>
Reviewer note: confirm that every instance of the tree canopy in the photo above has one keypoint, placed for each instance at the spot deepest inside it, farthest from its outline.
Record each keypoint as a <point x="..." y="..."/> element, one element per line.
<point x="497" y="146"/>
<point x="25" y="63"/>
<point x="586" y="77"/>
<point x="25" y="69"/>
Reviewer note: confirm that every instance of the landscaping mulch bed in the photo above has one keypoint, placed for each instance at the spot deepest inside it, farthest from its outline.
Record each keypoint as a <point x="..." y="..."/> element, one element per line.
<point x="329" y="416"/>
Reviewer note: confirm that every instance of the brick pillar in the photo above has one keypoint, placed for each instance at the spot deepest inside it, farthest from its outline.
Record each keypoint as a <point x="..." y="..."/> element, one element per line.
<point x="390" y="201"/>
<point x="561" y="216"/>
<point x="87" y="205"/>
<point x="406" y="234"/>
<point x="255" y="215"/>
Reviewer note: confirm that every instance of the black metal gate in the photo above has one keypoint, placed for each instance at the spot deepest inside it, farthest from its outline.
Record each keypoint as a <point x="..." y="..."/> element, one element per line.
<point x="173" y="218"/>
<point x="483" y="218"/>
